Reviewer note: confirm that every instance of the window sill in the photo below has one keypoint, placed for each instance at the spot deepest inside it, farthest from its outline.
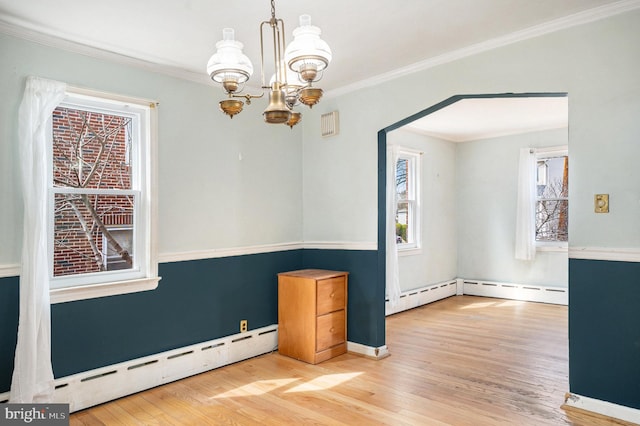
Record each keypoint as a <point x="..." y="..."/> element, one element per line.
<point x="70" y="294"/>
<point x="409" y="251"/>
<point x="553" y="248"/>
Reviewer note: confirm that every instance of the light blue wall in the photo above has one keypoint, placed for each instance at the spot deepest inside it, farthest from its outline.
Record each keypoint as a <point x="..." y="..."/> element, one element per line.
<point x="437" y="260"/>
<point x="487" y="188"/>
<point x="596" y="64"/>
<point x="220" y="180"/>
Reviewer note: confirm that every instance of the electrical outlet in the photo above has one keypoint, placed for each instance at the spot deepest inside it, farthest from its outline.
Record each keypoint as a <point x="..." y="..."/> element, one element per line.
<point x="243" y="326"/>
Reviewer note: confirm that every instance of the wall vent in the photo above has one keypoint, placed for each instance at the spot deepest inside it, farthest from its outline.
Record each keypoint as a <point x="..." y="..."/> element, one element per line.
<point x="330" y="124"/>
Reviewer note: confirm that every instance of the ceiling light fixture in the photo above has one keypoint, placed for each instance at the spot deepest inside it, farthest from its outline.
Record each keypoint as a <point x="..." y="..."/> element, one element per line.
<point x="295" y="69"/>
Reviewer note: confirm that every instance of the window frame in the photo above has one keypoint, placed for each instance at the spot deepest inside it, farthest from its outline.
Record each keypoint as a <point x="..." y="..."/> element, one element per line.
<point x="144" y="275"/>
<point x="414" y="180"/>
<point x="540" y="154"/>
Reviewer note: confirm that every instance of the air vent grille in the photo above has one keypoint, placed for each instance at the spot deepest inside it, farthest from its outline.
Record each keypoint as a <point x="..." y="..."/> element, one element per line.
<point x="330" y="124"/>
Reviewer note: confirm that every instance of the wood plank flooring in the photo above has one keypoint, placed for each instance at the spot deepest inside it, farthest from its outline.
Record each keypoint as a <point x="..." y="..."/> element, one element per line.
<point x="461" y="361"/>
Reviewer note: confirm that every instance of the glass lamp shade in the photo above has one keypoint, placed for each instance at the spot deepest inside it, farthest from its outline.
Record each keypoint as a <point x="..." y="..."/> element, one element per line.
<point x="307" y="52"/>
<point x="229" y="65"/>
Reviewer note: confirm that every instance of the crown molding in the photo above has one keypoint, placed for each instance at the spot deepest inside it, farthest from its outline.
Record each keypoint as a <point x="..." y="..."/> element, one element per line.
<point x="580" y="18"/>
<point x="148" y="64"/>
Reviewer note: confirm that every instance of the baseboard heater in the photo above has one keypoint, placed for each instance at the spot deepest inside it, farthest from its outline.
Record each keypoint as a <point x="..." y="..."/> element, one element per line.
<point x="422" y="296"/>
<point x="529" y="293"/>
<point x="104" y="384"/>
<point x="432" y="293"/>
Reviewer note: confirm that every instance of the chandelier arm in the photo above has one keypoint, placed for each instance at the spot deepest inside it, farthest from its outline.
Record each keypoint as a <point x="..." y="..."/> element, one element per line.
<point x="262" y="51"/>
<point x="281" y="66"/>
<point x="276" y="50"/>
<point x="247" y="96"/>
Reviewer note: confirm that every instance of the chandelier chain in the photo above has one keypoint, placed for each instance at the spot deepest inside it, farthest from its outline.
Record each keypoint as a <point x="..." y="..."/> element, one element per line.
<point x="273" y="9"/>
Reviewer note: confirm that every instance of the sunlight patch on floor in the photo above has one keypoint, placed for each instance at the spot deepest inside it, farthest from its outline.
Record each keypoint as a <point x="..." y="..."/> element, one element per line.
<point x="508" y="303"/>
<point x="478" y="305"/>
<point x="324" y="382"/>
<point x="505" y="304"/>
<point x="259" y="387"/>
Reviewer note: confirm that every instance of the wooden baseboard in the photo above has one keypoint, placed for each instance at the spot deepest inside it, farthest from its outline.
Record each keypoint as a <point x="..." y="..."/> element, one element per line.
<point x="595" y="408"/>
<point x="368" y="351"/>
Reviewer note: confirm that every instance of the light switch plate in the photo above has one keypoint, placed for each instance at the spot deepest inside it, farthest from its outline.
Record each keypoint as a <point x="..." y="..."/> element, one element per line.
<point x="601" y="202"/>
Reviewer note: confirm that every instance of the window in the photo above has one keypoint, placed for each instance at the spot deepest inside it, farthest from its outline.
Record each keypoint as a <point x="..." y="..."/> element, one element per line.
<point x="100" y="222"/>
<point x="407" y="196"/>
<point x="552" y="197"/>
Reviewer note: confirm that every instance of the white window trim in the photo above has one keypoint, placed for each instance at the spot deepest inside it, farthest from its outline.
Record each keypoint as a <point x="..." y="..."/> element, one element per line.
<point x="552" y="246"/>
<point x="148" y="279"/>
<point x="415" y="157"/>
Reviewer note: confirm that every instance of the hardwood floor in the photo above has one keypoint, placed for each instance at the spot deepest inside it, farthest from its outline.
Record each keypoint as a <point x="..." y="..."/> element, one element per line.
<point x="461" y="361"/>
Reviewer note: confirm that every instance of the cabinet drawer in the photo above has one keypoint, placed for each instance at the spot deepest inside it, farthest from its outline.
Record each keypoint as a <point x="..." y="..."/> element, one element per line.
<point x="331" y="330"/>
<point x="331" y="295"/>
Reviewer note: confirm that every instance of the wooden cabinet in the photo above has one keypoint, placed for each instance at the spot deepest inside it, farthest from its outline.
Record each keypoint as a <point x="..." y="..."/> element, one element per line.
<point x="312" y="314"/>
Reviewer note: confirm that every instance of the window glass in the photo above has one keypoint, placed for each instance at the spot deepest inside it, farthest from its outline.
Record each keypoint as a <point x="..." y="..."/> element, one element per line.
<point x="552" y="206"/>
<point x="402" y="210"/>
<point x="407" y="180"/>
<point x="93" y="189"/>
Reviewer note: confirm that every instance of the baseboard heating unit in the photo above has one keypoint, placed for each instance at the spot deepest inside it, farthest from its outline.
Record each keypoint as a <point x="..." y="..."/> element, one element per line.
<point x="528" y="293"/>
<point x="422" y="296"/>
<point x="104" y="384"/>
<point x="432" y="293"/>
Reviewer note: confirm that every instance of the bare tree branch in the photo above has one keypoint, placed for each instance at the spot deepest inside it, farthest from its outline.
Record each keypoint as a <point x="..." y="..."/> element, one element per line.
<point x="98" y="221"/>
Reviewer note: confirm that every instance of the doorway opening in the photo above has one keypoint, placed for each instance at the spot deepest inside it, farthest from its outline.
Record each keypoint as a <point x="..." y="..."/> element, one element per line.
<point x="469" y="195"/>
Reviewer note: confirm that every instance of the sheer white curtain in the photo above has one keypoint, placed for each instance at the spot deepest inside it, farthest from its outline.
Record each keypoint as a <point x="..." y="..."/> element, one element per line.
<point x="393" y="275"/>
<point x="32" y="374"/>
<point x="526" y="220"/>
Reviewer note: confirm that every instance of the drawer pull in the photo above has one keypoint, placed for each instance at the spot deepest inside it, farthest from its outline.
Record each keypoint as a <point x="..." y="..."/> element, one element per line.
<point x="331" y="295"/>
<point x="332" y="330"/>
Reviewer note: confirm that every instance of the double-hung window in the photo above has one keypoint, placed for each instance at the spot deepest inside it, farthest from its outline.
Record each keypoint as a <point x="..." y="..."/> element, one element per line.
<point x="408" y="200"/>
<point x="100" y="196"/>
<point x="552" y="201"/>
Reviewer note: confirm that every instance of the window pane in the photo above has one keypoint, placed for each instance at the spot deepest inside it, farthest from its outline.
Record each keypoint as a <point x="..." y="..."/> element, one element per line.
<point x="402" y="223"/>
<point x="553" y="177"/>
<point x="91" y="150"/>
<point x="552" y="220"/>
<point x="82" y="236"/>
<point x="402" y="173"/>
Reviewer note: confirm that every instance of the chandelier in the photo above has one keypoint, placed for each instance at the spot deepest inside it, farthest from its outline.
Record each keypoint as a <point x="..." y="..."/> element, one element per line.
<point x="295" y="69"/>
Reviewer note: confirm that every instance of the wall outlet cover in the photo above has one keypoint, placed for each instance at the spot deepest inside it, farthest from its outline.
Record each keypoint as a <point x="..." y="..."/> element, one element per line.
<point x="601" y="202"/>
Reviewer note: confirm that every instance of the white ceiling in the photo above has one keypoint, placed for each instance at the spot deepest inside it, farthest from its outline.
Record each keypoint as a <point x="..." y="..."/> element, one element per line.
<point x="372" y="40"/>
<point x="481" y="118"/>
